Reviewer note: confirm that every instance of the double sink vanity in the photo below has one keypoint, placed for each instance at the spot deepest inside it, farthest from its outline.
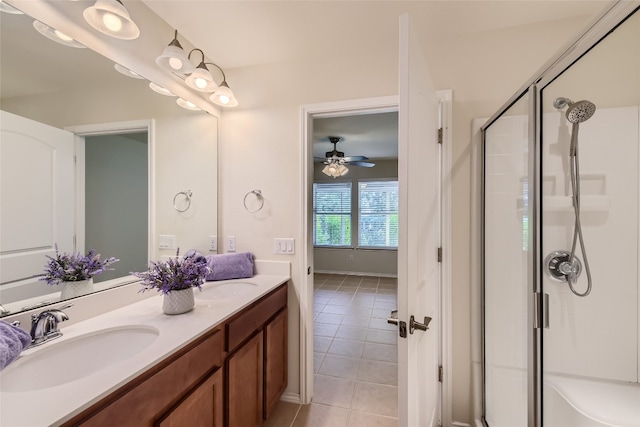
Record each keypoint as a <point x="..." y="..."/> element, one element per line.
<point x="222" y="364"/>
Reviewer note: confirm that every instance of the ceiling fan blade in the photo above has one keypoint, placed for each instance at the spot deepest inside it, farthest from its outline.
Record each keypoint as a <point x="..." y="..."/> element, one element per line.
<point x="320" y="159"/>
<point x="355" y="158"/>
<point x="363" y="164"/>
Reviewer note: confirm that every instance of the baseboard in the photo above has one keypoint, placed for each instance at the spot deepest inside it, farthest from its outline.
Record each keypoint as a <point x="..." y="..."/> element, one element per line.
<point x="291" y="398"/>
<point x="356" y="273"/>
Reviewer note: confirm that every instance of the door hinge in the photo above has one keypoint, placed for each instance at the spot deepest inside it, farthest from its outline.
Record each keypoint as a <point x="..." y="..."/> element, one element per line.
<point x="440" y="132"/>
<point x="439" y="254"/>
<point x="440" y="373"/>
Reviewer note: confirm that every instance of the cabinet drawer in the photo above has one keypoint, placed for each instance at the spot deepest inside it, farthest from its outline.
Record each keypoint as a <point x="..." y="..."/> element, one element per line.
<point x="253" y="318"/>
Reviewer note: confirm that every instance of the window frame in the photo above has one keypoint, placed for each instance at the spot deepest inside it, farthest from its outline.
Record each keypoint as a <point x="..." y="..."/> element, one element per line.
<point x="359" y="213"/>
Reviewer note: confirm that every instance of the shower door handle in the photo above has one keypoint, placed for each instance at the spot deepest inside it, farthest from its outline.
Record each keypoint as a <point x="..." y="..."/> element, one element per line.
<point x="546" y="311"/>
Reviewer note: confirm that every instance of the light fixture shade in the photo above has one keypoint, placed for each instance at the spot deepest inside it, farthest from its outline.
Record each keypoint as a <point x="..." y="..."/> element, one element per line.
<point x="127" y="72"/>
<point x="187" y="104"/>
<point x="159" y="89"/>
<point x="56" y="36"/>
<point x="174" y="59"/>
<point x="335" y="169"/>
<point x="110" y="17"/>
<point x="223" y="96"/>
<point x="200" y="79"/>
<point x="7" y="8"/>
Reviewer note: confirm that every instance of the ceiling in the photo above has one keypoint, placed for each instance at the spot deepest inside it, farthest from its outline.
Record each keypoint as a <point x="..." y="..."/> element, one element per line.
<point x="247" y="33"/>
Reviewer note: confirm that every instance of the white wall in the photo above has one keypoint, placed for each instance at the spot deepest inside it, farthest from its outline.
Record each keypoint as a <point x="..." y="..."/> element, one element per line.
<point x="265" y="131"/>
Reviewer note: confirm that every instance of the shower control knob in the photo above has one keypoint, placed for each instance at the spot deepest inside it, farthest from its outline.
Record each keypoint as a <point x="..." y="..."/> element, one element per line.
<point x="558" y="266"/>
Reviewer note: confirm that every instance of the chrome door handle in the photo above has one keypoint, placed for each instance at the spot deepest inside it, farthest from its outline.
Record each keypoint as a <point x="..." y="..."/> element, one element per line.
<point x="413" y="325"/>
<point x="394" y="317"/>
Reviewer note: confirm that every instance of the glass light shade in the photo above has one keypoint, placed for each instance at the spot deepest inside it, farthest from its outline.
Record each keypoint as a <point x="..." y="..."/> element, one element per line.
<point x="223" y="96"/>
<point x="159" y="89"/>
<point x="56" y="36"/>
<point x="110" y="17"/>
<point x="127" y="72"/>
<point x="174" y="59"/>
<point x="7" y="8"/>
<point x="335" y="170"/>
<point x="200" y="79"/>
<point x="187" y="104"/>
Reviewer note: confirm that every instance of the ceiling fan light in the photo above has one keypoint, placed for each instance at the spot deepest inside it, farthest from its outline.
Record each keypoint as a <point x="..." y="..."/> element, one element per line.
<point x="56" y="36"/>
<point x="200" y="79"/>
<point x="110" y="17"/>
<point x="224" y="96"/>
<point x="342" y="170"/>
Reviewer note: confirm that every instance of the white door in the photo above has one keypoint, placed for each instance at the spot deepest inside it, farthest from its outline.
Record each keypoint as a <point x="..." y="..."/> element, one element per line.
<point x="37" y="199"/>
<point x="419" y="224"/>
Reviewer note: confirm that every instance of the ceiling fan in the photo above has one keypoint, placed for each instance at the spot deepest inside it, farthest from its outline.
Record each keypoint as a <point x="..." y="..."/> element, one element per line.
<point x="338" y="158"/>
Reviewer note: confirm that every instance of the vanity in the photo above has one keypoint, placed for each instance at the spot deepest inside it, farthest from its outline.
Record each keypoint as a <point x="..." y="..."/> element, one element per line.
<point x="222" y="364"/>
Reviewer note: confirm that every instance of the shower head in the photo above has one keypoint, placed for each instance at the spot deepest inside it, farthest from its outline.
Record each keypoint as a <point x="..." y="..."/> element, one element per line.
<point x="577" y="112"/>
<point x="580" y="111"/>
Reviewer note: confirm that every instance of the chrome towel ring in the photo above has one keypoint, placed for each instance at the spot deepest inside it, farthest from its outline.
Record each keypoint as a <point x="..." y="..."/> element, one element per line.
<point x="187" y="195"/>
<point x="259" y="197"/>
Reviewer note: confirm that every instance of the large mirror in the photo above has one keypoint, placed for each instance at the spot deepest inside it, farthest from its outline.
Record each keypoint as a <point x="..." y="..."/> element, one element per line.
<point x="123" y="134"/>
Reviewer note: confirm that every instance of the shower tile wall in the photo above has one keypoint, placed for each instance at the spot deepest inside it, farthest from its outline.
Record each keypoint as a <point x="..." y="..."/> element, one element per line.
<point x="595" y="336"/>
<point x="506" y="271"/>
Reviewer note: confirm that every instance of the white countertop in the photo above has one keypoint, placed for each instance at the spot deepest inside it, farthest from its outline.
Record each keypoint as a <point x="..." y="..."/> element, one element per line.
<point x="55" y="405"/>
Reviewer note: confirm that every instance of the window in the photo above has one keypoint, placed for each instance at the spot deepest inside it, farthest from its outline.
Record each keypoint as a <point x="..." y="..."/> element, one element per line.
<point x="332" y="214"/>
<point x="378" y="214"/>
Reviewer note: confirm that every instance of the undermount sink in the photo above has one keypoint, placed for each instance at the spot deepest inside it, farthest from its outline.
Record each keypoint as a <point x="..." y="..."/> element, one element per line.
<point x="225" y="290"/>
<point x="58" y="363"/>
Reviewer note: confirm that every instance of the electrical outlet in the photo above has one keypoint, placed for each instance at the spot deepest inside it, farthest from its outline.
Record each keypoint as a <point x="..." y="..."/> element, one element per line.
<point x="231" y="243"/>
<point x="350" y="257"/>
<point x="213" y="243"/>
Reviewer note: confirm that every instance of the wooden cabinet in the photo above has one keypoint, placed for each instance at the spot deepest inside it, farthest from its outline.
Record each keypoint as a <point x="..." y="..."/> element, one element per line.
<point x="245" y="384"/>
<point x="203" y="407"/>
<point x="275" y="361"/>
<point x="232" y="376"/>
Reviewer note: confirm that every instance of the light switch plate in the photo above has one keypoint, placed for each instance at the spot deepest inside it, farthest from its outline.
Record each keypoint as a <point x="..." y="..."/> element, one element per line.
<point x="213" y="243"/>
<point x="167" y="241"/>
<point x="284" y="246"/>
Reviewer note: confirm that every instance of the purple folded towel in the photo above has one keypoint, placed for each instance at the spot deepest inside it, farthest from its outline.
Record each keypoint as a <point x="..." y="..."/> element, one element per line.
<point x="12" y="341"/>
<point x="230" y="266"/>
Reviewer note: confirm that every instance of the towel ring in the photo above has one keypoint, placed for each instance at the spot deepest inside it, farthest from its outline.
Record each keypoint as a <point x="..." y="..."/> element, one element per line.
<point x="260" y="198"/>
<point x="187" y="195"/>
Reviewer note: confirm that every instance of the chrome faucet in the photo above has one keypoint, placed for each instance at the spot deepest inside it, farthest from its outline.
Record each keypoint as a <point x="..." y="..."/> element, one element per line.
<point x="44" y="326"/>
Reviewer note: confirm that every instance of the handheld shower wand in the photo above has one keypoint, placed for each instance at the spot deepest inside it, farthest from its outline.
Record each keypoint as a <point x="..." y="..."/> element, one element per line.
<point x="577" y="112"/>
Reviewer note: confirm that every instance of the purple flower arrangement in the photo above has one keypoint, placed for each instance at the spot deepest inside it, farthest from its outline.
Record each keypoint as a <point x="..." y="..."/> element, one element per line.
<point x="175" y="274"/>
<point x="74" y="267"/>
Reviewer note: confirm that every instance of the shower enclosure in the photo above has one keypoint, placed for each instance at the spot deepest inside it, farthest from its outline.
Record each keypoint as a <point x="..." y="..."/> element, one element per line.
<point x="559" y="166"/>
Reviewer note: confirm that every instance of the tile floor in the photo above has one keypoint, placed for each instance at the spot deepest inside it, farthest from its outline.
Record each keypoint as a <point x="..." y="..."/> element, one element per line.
<point x="355" y="356"/>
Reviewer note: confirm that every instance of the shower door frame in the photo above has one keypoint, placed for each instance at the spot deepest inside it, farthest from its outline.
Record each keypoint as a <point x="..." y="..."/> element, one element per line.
<point x="611" y="17"/>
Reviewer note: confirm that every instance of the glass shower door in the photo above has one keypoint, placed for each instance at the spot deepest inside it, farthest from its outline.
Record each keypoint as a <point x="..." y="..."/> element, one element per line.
<point x="590" y="347"/>
<point x="506" y="267"/>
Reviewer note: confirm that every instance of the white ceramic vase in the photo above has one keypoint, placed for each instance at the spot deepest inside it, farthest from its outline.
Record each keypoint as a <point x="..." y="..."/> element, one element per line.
<point x="76" y="289"/>
<point x="178" y="302"/>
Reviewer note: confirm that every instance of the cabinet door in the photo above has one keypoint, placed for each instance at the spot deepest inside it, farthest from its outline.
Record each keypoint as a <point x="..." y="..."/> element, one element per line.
<point x="275" y="361"/>
<point x="203" y="407"/>
<point x="244" y="391"/>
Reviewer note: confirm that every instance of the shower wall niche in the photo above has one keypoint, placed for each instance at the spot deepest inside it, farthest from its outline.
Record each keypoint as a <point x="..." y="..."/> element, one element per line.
<point x="548" y="356"/>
